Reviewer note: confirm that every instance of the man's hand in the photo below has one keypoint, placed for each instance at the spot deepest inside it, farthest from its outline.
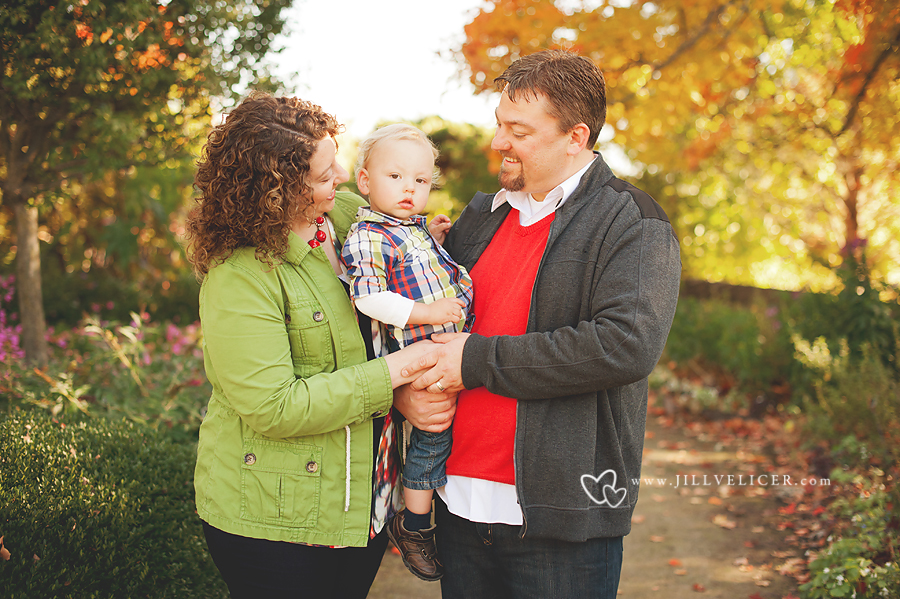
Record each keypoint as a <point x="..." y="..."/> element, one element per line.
<point x="439" y="226"/>
<point x="431" y="412"/>
<point x="444" y="365"/>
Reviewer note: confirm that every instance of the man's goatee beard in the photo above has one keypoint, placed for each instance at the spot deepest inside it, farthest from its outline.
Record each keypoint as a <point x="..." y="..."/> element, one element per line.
<point x="512" y="183"/>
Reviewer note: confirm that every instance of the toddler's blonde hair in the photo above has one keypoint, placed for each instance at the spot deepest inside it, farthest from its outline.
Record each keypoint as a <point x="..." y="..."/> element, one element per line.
<point x="397" y="131"/>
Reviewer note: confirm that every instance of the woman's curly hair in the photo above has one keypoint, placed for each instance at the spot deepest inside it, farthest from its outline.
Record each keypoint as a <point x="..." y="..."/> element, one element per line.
<point x="252" y="179"/>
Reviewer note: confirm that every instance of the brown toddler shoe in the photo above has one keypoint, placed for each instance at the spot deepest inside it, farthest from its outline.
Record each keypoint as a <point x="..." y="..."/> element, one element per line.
<point x="416" y="548"/>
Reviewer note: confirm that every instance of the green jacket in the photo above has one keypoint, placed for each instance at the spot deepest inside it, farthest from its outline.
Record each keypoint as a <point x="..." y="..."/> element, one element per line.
<point x="285" y="449"/>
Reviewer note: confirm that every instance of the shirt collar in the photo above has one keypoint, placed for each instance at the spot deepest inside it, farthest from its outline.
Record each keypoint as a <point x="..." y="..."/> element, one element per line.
<point x="557" y="196"/>
<point x="366" y="214"/>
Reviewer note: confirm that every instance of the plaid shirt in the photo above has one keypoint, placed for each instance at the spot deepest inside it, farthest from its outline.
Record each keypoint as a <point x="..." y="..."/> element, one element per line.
<point x="383" y="253"/>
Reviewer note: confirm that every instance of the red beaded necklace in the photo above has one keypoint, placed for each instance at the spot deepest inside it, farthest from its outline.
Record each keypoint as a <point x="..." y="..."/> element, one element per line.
<point x="320" y="235"/>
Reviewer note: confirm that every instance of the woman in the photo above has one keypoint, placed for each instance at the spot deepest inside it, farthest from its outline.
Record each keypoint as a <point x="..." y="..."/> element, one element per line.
<point x="284" y="477"/>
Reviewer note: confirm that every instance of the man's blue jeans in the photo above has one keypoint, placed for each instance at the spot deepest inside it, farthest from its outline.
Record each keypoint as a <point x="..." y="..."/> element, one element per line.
<point x="491" y="561"/>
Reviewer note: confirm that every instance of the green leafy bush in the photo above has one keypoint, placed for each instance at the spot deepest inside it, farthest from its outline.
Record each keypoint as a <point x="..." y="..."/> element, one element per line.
<point x="68" y="297"/>
<point x="844" y="570"/>
<point x="863" y="316"/>
<point x="856" y="402"/>
<point x="765" y="348"/>
<point x="96" y="509"/>
<point x="748" y="344"/>
<point x="862" y="563"/>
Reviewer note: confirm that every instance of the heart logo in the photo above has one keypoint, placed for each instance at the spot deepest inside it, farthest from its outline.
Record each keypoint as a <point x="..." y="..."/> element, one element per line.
<point x="607" y="486"/>
<point x="609" y="491"/>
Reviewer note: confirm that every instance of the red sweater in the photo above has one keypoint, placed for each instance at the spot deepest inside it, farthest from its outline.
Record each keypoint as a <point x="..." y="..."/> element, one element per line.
<point x="484" y="429"/>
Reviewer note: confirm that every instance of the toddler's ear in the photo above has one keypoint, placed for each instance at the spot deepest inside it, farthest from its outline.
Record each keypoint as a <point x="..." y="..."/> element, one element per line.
<point x="362" y="181"/>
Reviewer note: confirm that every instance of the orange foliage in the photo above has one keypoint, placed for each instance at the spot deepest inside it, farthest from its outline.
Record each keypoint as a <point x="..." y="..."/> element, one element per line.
<point x="673" y="68"/>
<point x="693" y="85"/>
<point x="152" y="58"/>
<point x="83" y="31"/>
<point x="527" y="25"/>
<point x="705" y="146"/>
<point x="172" y="40"/>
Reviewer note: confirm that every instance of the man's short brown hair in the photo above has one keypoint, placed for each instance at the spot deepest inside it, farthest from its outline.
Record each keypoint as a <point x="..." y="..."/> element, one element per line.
<point x="572" y="84"/>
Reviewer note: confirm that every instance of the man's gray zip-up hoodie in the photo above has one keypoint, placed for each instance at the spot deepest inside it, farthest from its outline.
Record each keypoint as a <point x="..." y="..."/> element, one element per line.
<point x="601" y="308"/>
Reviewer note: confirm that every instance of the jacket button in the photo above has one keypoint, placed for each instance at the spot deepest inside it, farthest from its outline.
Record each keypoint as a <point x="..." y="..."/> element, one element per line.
<point x="311" y="467"/>
<point x="318" y="316"/>
<point x="249" y="459"/>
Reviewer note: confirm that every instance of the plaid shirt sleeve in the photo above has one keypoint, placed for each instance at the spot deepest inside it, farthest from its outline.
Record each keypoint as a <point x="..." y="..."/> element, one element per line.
<point x="369" y="256"/>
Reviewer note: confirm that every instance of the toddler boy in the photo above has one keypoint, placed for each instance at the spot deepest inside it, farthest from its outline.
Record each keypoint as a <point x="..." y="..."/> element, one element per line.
<point x="401" y="276"/>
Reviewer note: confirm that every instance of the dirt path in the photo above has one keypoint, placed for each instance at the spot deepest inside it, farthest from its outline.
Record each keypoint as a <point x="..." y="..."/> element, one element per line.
<point x="691" y="540"/>
<point x="692" y="537"/>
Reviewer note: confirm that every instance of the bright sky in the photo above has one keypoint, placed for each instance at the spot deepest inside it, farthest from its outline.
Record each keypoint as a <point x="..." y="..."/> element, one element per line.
<point x="368" y="60"/>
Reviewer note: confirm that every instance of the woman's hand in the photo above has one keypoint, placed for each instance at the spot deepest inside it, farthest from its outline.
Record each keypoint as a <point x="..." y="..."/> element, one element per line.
<point x="431" y="412"/>
<point x="407" y="357"/>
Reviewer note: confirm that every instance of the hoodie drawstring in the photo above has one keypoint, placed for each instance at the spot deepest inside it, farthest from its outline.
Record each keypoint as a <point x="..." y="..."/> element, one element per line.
<point x="347" y="489"/>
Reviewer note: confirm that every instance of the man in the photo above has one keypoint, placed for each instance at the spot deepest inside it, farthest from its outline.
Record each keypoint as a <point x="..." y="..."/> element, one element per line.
<point x="576" y="276"/>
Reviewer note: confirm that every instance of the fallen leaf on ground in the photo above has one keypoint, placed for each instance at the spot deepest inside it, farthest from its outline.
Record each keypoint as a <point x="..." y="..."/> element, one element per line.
<point x="723" y="521"/>
<point x="680" y="572"/>
<point x="699" y="587"/>
<point x="657" y="539"/>
<point x="638" y="518"/>
<point x="674" y="562"/>
<point x="791" y="566"/>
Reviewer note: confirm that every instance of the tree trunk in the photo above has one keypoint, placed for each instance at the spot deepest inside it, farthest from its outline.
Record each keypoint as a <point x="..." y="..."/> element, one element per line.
<point x="28" y="284"/>
<point x="851" y="203"/>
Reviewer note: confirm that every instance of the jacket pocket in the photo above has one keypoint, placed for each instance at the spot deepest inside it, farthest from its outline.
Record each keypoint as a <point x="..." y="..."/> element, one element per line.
<point x="310" y="335"/>
<point x="280" y="482"/>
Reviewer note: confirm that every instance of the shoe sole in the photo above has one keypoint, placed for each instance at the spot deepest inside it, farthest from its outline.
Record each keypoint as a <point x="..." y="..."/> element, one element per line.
<point x="390" y="535"/>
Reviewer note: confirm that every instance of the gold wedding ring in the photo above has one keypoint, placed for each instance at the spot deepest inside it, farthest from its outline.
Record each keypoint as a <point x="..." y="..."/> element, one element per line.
<point x="440" y="386"/>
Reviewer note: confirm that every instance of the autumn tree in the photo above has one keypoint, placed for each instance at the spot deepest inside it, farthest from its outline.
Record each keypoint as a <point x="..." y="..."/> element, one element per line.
<point x="89" y="87"/>
<point x="773" y="124"/>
